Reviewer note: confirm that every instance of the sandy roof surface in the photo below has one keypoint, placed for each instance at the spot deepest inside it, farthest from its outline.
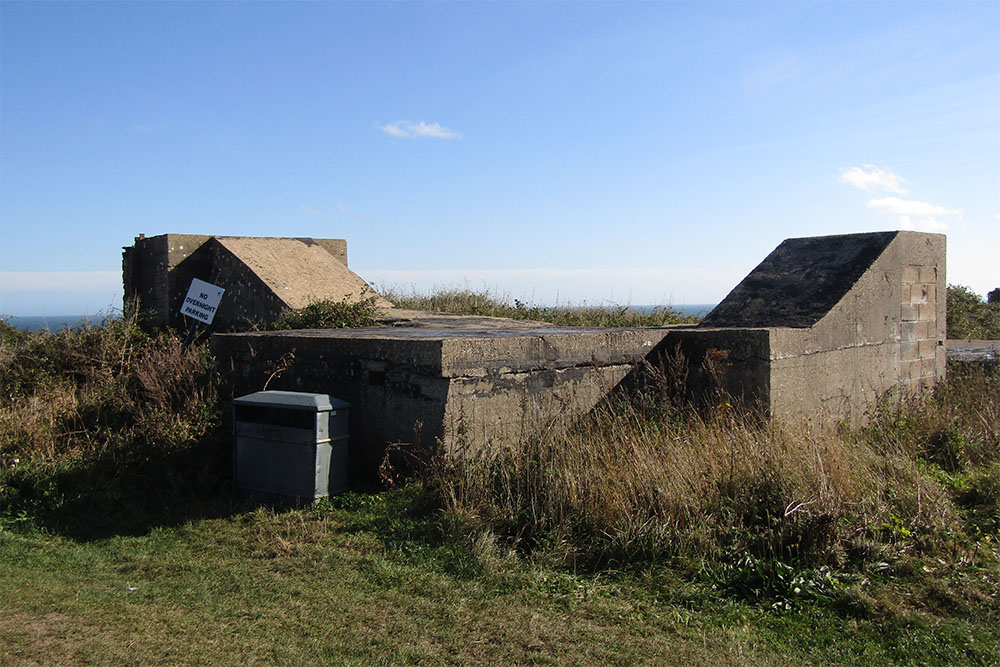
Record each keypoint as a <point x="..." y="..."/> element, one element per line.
<point x="300" y="272"/>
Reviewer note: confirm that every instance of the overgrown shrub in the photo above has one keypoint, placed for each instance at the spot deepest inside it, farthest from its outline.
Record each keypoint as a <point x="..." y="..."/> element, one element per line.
<point x="88" y="412"/>
<point x="969" y="316"/>
<point x="329" y="314"/>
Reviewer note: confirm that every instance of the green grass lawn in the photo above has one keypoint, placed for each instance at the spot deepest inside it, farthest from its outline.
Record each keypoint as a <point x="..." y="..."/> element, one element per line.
<point x="369" y="582"/>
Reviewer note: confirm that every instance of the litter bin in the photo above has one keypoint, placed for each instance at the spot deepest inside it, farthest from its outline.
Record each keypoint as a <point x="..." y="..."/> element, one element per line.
<point x="290" y="445"/>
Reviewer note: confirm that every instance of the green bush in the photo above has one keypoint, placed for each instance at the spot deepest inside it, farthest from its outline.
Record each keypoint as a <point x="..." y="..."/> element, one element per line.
<point x="329" y="314"/>
<point x="970" y="317"/>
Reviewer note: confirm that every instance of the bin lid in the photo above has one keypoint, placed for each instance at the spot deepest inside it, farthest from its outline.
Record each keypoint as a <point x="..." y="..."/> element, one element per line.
<point x="292" y="400"/>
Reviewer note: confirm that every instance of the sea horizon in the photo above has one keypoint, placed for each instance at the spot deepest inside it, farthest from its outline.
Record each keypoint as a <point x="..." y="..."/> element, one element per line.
<point x="59" y="322"/>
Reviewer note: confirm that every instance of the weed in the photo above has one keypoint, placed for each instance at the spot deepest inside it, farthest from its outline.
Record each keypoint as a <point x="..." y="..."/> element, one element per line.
<point x="107" y="431"/>
<point x="773" y="513"/>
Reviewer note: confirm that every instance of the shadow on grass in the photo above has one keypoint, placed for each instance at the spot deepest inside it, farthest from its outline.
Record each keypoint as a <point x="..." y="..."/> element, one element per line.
<point x="116" y="493"/>
<point x="122" y="494"/>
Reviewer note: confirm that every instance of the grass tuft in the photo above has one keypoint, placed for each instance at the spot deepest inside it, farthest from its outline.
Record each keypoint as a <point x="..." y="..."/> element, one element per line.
<point x="485" y="303"/>
<point x="764" y="510"/>
<point x="96" y="414"/>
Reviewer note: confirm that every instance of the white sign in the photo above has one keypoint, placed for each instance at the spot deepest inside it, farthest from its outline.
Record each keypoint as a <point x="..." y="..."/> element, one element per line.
<point x="202" y="301"/>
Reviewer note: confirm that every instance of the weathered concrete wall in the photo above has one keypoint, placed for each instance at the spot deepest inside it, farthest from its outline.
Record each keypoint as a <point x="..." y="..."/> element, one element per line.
<point x="828" y="385"/>
<point x="248" y="298"/>
<point x="868" y="316"/>
<point x="148" y="272"/>
<point x="336" y="247"/>
<point x="393" y="386"/>
<point x="509" y="385"/>
<point x="873" y="319"/>
<point x="465" y="388"/>
<point x="887" y="331"/>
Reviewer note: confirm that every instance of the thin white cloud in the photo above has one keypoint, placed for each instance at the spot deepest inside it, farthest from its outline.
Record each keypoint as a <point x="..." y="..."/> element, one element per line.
<point x="898" y="206"/>
<point x="913" y="214"/>
<point x="407" y="129"/>
<point x="871" y="178"/>
<point x="910" y="213"/>
<point x="363" y="217"/>
<point x="317" y="213"/>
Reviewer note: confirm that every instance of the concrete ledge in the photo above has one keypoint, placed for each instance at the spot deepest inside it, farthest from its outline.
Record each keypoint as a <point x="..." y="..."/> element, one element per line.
<point x="973" y="350"/>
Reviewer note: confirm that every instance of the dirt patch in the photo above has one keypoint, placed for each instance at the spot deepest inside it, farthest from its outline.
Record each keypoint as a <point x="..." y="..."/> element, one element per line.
<point x="50" y="638"/>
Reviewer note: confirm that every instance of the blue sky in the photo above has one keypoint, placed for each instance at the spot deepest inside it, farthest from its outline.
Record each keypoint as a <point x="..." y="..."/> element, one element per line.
<point x="554" y="152"/>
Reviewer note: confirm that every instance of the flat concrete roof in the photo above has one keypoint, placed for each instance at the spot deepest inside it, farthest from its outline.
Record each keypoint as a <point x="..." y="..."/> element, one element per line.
<point x="428" y="333"/>
<point x="453" y="345"/>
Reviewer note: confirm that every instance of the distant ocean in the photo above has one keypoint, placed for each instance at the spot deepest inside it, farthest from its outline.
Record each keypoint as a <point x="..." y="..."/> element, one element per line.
<point x="57" y="322"/>
<point x="52" y="322"/>
<point x="697" y="309"/>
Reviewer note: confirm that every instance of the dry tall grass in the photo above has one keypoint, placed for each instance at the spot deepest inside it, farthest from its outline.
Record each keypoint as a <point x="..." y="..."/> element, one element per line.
<point x="631" y="484"/>
<point x="104" y="427"/>
<point x="84" y="391"/>
<point x="485" y="303"/>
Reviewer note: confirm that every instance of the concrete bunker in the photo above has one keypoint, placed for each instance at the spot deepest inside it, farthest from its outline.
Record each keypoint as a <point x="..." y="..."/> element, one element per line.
<point x="262" y="276"/>
<point x="818" y="330"/>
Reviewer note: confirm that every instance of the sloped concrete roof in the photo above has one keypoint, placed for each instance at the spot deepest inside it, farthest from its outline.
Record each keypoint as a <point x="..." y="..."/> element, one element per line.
<point x="800" y="281"/>
<point x="299" y="271"/>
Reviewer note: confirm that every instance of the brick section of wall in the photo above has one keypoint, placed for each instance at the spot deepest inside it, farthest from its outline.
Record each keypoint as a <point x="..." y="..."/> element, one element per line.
<point x="918" y="327"/>
<point x="145" y="269"/>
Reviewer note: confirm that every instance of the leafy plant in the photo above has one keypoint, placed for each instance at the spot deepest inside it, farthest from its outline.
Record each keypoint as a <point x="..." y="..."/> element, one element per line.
<point x="329" y="314"/>
<point x="969" y="316"/>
